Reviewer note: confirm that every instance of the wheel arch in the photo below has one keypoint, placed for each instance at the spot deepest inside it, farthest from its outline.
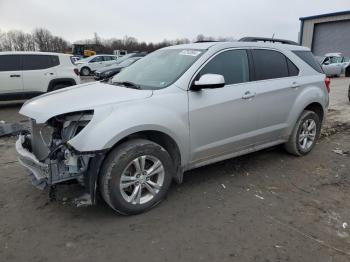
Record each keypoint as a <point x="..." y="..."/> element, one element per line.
<point x="313" y="99"/>
<point x="57" y="81"/>
<point x="163" y="139"/>
<point x="317" y="108"/>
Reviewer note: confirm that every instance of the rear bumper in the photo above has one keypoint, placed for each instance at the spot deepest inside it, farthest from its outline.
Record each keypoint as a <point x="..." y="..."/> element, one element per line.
<point x="28" y="160"/>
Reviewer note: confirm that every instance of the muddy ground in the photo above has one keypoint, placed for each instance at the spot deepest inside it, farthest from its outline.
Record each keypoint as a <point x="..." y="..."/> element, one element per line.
<point x="266" y="206"/>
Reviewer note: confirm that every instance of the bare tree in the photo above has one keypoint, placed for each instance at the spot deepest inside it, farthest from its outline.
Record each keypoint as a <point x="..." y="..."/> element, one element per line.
<point x="42" y="38"/>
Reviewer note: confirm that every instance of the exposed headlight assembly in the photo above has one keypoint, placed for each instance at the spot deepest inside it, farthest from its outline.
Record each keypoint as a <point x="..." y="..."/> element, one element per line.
<point x="73" y="123"/>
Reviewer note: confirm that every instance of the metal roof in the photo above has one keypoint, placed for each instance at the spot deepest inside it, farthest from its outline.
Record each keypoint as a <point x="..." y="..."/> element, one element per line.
<point x="325" y="15"/>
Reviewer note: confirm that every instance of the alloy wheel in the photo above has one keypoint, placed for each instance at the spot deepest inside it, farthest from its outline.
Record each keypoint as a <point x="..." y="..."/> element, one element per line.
<point x="307" y="134"/>
<point x="142" y="179"/>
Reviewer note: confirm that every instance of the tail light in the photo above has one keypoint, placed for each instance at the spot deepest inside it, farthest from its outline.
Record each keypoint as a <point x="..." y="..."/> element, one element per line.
<point x="76" y="71"/>
<point x="327" y="82"/>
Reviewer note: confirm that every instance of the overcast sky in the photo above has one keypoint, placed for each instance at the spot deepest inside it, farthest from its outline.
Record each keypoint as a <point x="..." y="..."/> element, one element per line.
<point x="155" y="20"/>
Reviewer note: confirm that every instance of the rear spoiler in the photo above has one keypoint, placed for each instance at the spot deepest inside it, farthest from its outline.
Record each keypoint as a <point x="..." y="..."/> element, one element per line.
<point x="265" y="39"/>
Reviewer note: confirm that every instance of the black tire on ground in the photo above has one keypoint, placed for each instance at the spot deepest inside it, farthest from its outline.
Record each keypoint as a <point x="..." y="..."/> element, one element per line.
<point x="85" y="71"/>
<point x="118" y="160"/>
<point x="293" y="146"/>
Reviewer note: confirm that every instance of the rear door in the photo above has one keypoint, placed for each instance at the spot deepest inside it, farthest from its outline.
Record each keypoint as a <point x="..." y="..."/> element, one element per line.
<point x="10" y="74"/>
<point x="38" y="71"/>
<point x="278" y="88"/>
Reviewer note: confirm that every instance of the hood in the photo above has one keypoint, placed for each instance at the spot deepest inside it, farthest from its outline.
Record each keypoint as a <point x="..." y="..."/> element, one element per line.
<point x="76" y="98"/>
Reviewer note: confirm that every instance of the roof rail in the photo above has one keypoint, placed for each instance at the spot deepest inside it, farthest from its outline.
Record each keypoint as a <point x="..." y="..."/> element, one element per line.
<point x="266" y="39"/>
<point x="206" y="41"/>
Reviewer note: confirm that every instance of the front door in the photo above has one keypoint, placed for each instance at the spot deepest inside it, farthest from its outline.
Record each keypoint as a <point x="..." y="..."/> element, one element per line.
<point x="223" y="120"/>
<point x="10" y="75"/>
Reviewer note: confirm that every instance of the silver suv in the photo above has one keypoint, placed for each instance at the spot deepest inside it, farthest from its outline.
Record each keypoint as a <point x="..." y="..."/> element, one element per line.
<point x="178" y="108"/>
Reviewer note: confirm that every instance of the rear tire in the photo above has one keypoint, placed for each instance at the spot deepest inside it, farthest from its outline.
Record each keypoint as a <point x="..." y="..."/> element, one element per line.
<point x="126" y="181"/>
<point x="305" y="134"/>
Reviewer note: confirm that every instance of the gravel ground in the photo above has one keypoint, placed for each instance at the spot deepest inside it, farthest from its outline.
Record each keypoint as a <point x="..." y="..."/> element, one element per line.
<point x="266" y="206"/>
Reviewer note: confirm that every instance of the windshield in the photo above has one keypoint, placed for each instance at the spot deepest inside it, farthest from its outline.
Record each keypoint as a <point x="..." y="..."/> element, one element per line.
<point x="158" y="69"/>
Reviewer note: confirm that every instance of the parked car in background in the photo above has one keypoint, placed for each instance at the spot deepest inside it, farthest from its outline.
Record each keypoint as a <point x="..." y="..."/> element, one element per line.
<point x="130" y="55"/>
<point x="176" y="109"/>
<point x="330" y="69"/>
<point x="334" y="64"/>
<point x="109" y="71"/>
<point x="90" y="64"/>
<point x="27" y="74"/>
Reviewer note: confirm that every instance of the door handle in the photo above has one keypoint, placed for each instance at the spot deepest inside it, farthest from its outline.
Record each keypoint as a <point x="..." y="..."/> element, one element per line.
<point x="248" y="95"/>
<point x="15" y="75"/>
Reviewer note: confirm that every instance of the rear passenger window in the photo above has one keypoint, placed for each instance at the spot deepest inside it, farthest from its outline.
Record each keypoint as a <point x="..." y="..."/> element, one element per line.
<point x="10" y="62"/>
<point x="38" y="62"/>
<point x="309" y="58"/>
<point x="269" y="64"/>
<point x="233" y="65"/>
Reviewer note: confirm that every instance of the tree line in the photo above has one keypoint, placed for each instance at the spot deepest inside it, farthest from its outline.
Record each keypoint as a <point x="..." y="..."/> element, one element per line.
<point x="43" y="40"/>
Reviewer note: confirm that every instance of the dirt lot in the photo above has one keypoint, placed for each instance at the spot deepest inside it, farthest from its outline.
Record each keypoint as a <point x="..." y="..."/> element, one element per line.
<point x="267" y="206"/>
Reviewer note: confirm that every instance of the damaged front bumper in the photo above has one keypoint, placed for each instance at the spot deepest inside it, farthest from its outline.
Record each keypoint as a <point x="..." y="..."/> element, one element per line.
<point x="27" y="159"/>
<point x="50" y="172"/>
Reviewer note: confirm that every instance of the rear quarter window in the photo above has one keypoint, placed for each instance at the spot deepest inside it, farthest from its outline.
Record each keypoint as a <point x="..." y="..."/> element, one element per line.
<point x="310" y="59"/>
<point x="292" y="69"/>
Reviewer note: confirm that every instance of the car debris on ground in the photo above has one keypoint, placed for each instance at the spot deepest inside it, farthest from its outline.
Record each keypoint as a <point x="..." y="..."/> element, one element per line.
<point x="11" y="129"/>
<point x="341" y="152"/>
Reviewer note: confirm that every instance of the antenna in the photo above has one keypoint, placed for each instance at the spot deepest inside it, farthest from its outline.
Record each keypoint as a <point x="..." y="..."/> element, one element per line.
<point x="273" y="36"/>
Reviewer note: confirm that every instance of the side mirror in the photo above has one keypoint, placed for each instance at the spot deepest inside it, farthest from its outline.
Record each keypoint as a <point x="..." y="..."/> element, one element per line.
<point x="209" y="81"/>
<point x="327" y="62"/>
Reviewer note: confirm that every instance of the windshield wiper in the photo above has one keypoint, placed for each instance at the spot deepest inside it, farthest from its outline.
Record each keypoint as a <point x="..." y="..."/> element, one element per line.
<point x="128" y="84"/>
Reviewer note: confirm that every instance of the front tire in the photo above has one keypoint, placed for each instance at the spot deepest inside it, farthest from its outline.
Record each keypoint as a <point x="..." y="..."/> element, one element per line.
<point x="135" y="176"/>
<point x="85" y="71"/>
<point x="305" y="134"/>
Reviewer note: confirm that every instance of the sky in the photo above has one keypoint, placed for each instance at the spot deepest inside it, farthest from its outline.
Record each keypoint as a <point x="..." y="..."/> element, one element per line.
<point x="156" y="20"/>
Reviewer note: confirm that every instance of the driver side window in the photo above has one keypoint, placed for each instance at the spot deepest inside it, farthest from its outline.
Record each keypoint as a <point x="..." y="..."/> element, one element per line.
<point x="232" y="64"/>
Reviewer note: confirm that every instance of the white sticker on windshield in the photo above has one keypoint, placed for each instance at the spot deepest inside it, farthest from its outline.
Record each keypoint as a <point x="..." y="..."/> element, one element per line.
<point x="190" y="52"/>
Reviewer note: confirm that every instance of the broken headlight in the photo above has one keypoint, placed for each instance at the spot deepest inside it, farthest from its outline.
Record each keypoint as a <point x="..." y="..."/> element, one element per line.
<point x="73" y="123"/>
